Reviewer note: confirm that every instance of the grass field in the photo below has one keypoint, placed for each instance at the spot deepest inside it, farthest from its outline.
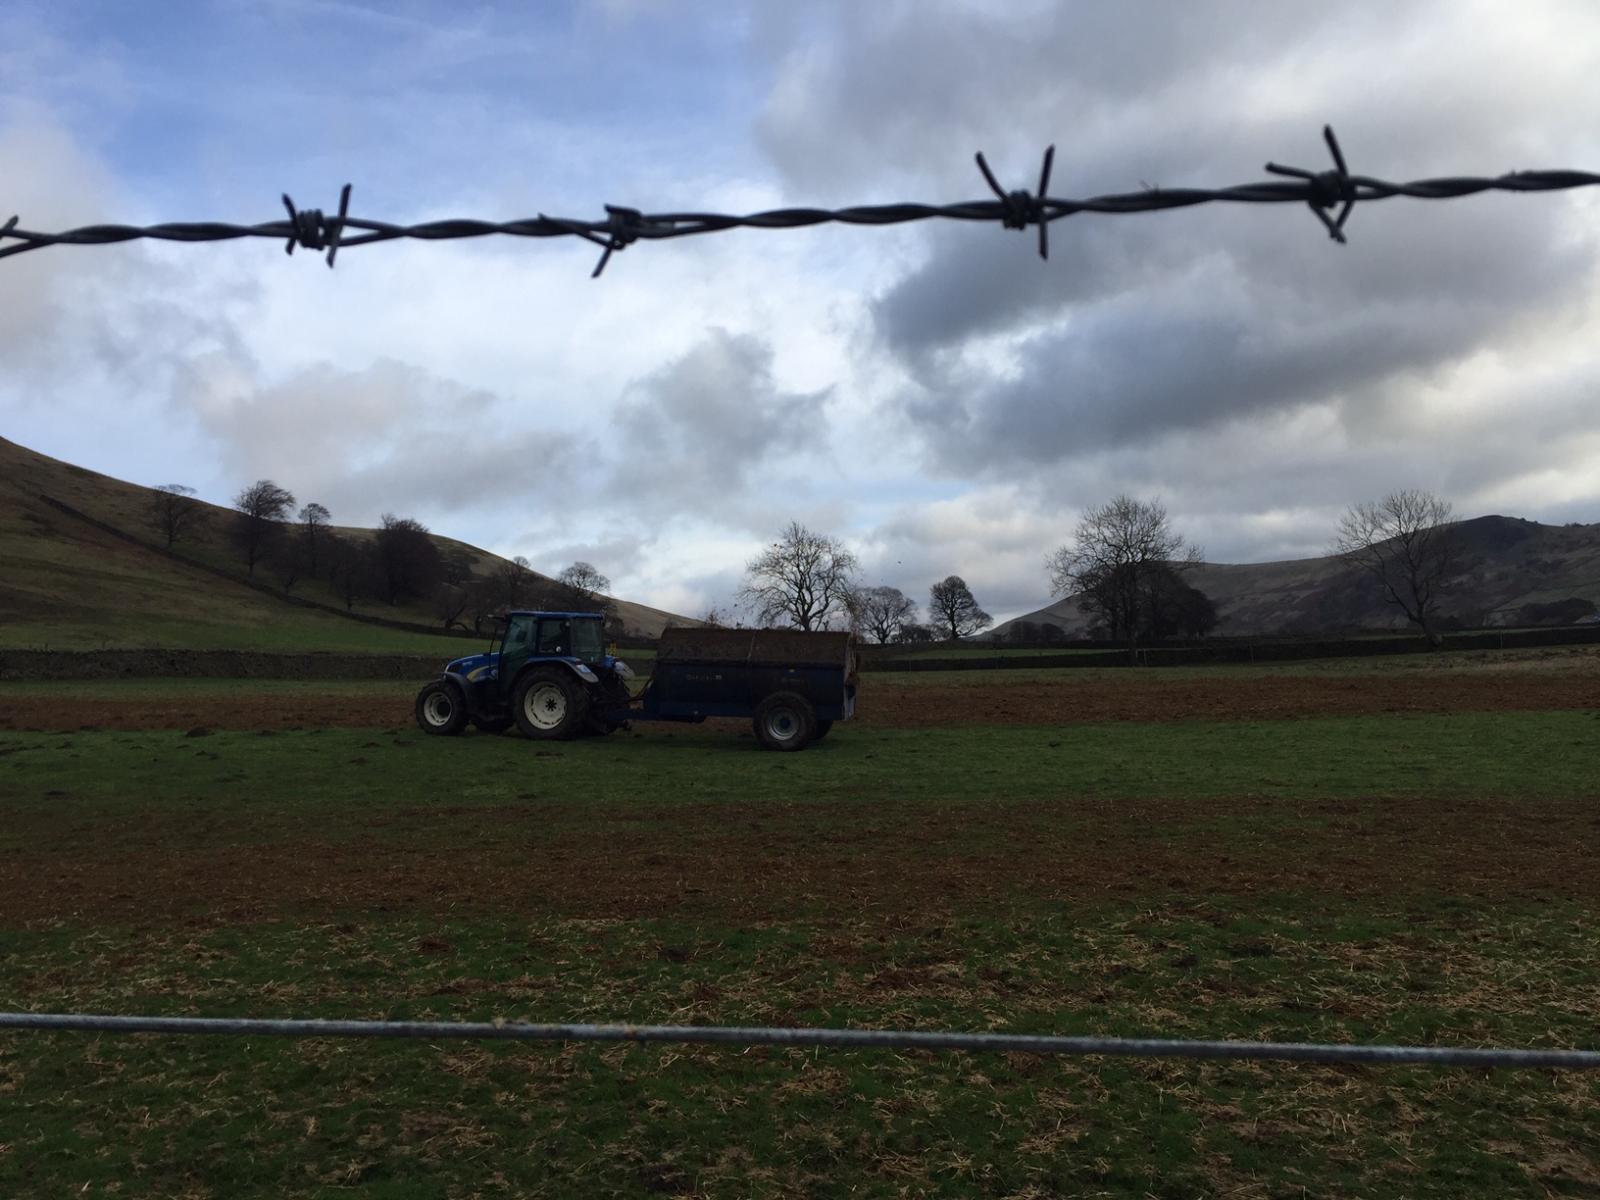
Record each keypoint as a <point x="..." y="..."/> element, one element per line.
<point x="1337" y="871"/>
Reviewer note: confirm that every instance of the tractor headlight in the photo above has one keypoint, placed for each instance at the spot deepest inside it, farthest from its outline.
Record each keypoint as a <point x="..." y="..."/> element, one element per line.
<point x="622" y="669"/>
<point x="586" y="674"/>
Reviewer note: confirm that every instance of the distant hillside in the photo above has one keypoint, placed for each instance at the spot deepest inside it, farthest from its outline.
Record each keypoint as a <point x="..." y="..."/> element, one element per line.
<point x="1512" y="572"/>
<point x="72" y="581"/>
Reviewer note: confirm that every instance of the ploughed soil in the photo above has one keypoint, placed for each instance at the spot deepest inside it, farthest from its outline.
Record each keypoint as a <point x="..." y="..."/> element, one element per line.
<point x="777" y="860"/>
<point x="888" y="704"/>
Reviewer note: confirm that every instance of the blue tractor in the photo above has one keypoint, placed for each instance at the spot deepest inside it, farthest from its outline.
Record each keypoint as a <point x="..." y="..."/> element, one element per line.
<point x="547" y="672"/>
<point x="552" y="678"/>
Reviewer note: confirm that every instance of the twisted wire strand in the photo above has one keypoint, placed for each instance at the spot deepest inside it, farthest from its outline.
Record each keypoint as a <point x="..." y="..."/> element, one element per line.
<point x="1020" y="209"/>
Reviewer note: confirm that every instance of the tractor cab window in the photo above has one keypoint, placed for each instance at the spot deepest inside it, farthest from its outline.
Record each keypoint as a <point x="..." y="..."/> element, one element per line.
<point x="555" y="639"/>
<point x="588" y="642"/>
<point x="518" y="634"/>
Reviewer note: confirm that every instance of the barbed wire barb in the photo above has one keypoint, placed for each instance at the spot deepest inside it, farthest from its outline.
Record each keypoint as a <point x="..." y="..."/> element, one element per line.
<point x="1020" y="208"/>
<point x="1322" y="191"/>
<point x="314" y="231"/>
<point x="625" y="223"/>
<point x="1329" y="187"/>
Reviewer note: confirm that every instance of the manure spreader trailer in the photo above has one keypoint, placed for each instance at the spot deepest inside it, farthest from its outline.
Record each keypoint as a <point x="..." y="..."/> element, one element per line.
<point x="548" y="673"/>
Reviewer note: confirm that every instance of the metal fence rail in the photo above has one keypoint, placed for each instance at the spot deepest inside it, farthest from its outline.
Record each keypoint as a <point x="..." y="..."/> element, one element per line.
<point x="1323" y="191"/>
<point x="857" y="1039"/>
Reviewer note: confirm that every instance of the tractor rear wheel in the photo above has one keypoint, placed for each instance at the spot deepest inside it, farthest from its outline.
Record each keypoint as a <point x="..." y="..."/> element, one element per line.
<point x="550" y="705"/>
<point x="440" y="709"/>
<point x="785" y="721"/>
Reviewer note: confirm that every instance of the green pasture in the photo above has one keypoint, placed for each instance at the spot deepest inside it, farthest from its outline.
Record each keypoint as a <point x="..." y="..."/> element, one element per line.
<point x="1408" y="879"/>
<point x="333" y="771"/>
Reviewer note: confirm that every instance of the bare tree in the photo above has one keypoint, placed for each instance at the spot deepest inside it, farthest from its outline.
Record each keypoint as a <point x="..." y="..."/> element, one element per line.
<point x="408" y="560"/>
<point x="174" y="511"/>
<point x="583" y="577"/>
<point x="513" y="575"/>
<point x="1174" y="608"/>
<point x="262" y="508"/>
<point x="803" y="578"/>
<point x="1120" y="555"/>
<point x="314" y="520"/>
<point x="450" y="601"/>
<point x="484" y="599"/>
<point x="883" y="612"/>
<point x="455" y="565"/>
<point x="1407" y="543"/>
<point x="952" y="608"/>
<point x="287" y="559"/>
<point x="350" y="567"/>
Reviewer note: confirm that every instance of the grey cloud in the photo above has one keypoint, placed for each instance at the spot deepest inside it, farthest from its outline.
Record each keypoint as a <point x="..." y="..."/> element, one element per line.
<point x="913" y="89"/>
<point x="462" y="469"/>
<point x="992" y="540"/>
<point x="703" y="430"/>
<point x="388" y="437"/>
<point x="611" y="555"/>
<point x="1230" y="338"/>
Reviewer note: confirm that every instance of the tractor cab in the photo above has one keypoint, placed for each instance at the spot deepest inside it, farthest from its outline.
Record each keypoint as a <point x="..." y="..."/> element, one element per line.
<point x="576" y="639"/>
<point x="528" y="635"/>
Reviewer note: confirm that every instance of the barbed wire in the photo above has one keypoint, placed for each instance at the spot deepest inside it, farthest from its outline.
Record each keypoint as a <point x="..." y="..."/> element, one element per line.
<point x="1322" y="191"/>
<point x="859" y="1039"/>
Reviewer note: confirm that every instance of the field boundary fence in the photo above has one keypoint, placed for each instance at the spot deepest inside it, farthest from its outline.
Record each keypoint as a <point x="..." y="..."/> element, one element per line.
<point x="1242" y="650"/>
<point x="811" y="1037"/>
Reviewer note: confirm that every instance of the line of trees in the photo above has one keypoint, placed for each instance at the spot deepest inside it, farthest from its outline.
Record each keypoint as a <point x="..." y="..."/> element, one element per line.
<point x="808" y="580"/>
<point x="400" y="562"/>
<point x="1126" y="565"/>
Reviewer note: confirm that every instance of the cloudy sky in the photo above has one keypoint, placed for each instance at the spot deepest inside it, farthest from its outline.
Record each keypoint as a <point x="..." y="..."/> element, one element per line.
<point x="933" y="394"/>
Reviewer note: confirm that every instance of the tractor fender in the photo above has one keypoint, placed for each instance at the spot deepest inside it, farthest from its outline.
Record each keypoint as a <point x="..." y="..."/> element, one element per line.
<point x="469" y="694"/>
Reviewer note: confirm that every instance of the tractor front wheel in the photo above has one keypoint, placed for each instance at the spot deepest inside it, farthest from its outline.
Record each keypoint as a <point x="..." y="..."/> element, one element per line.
<point x="785" y="721"/>
<point x="440" y="709"/>
<point x="550" y="705"/>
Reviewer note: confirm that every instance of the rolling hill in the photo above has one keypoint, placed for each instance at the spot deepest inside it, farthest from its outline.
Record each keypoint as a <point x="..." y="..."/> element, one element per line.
<point x="81" y="567"/>
<point x="1510" y="572"/>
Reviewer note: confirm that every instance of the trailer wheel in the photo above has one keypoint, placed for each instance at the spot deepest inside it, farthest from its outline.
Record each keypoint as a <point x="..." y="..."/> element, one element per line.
<point x="785" y="721"/>
<point x="550" y="705"/>
<point x="440" y="709"/>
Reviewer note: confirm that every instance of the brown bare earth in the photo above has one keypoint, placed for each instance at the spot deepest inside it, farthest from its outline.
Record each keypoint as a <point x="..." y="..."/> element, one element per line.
<point x="649" y="862"/>
<point x="885" y="704"/>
